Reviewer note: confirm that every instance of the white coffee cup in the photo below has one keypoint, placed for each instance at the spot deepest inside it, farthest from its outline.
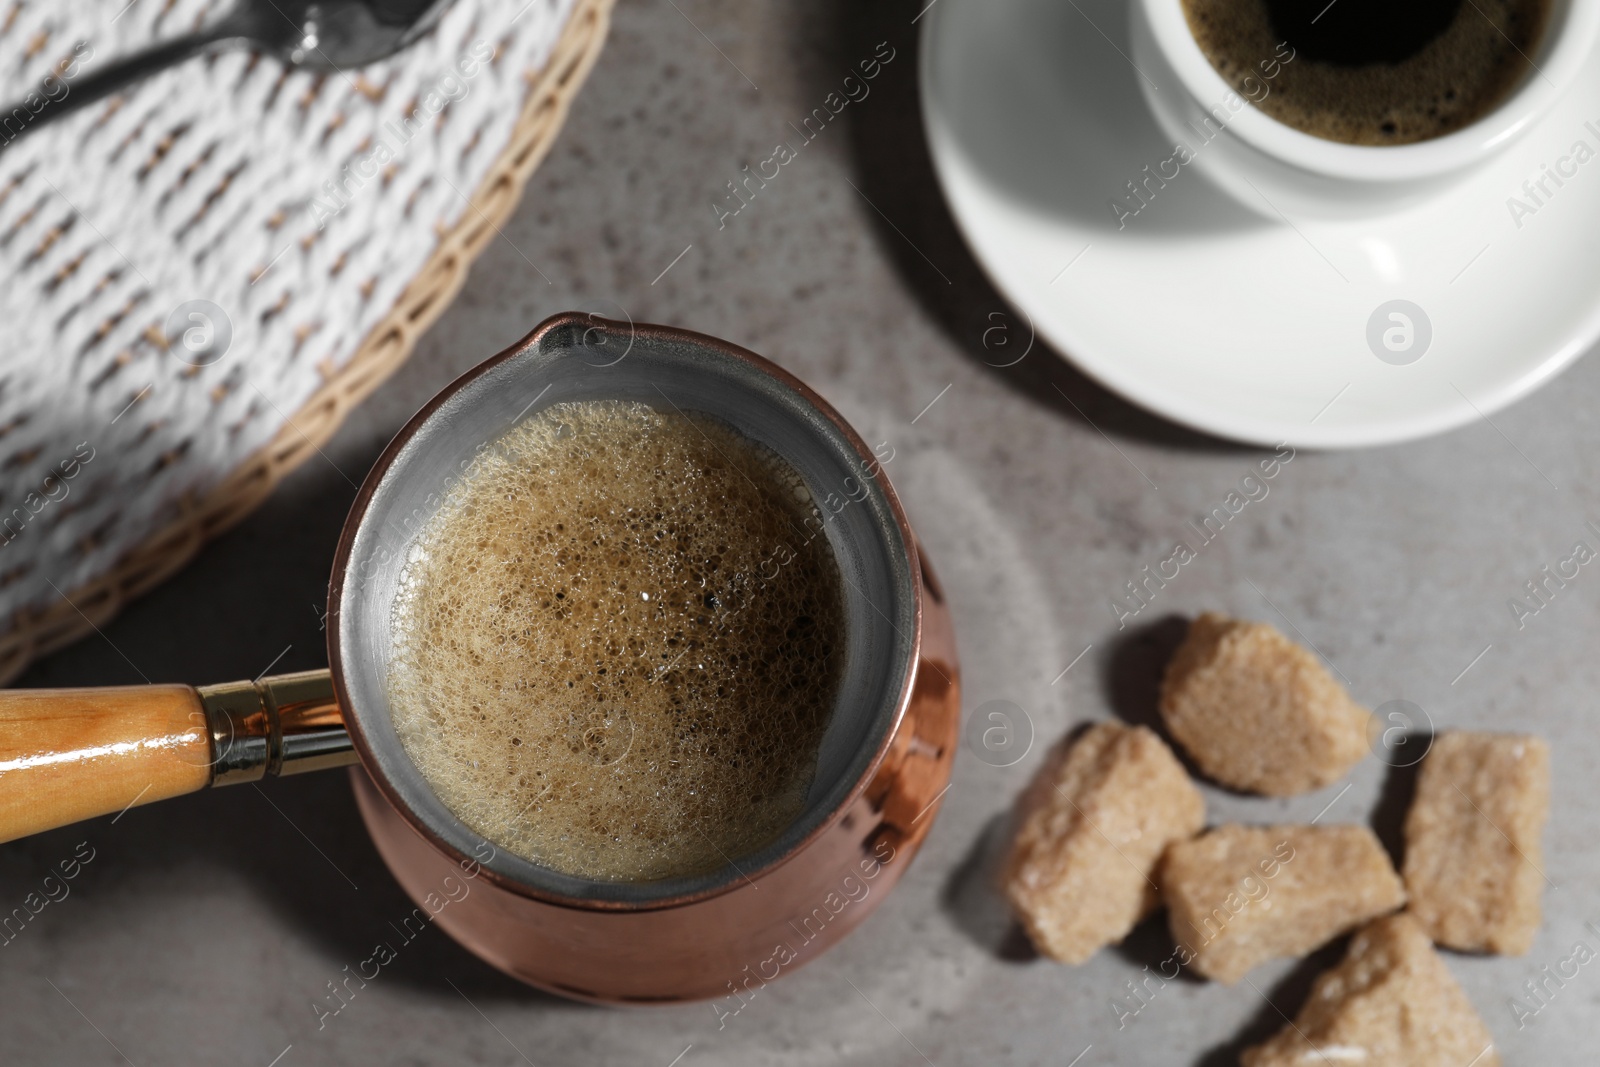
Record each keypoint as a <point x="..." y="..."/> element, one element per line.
<point x="1279" y="170"/>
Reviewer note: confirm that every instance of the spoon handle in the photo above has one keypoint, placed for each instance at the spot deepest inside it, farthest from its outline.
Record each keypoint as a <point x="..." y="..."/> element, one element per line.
<point x="40" y="107"/>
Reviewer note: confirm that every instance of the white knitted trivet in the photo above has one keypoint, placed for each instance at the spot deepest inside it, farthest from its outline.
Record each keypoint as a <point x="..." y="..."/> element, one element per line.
<point x="298" y="205"/>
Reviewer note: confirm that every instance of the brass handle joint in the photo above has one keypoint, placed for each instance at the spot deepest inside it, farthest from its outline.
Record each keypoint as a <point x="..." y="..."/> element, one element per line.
<point x="286" y="724"/>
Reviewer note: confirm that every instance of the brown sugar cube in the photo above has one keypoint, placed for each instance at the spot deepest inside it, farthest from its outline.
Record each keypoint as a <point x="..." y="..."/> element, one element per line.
<point x="1257" y="712"/>
<point x="1391" y="1002"/>
<point x="1081" y="869"/>
<point x="1473" y="861"/>
<point x="1241" y="895"/>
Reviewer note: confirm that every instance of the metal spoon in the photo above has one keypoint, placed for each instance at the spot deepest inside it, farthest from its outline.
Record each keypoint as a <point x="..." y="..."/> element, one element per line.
<point x="323" y="35"/>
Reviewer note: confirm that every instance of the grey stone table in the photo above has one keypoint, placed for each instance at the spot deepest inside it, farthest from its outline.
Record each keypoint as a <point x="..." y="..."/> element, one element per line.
<point x="202" y="930"/>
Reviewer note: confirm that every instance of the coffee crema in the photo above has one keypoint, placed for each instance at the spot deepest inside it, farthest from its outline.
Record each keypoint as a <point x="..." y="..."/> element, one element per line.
<point x="1372" y="72"/>
<point x="616" y="647"/>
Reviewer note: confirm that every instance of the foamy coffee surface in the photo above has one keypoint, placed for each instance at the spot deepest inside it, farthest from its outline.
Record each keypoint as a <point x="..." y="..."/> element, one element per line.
<point x="1451" y="81"/>
<point x="616" y="649"/>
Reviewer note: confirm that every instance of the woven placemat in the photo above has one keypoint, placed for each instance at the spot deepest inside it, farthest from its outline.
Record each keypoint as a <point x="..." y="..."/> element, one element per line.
<point x="115" y="430"/>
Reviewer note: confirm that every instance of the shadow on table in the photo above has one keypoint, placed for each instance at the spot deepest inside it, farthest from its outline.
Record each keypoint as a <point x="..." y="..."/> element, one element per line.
<point x="1394" y="800"/>
<point x="1133" y="672"/>
<point x="971" y="896"/>
<point x="914" y="225"/>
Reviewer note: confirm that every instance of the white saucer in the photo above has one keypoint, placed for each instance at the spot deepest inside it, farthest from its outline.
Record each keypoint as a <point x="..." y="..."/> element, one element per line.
<point x="1219" y="317"/>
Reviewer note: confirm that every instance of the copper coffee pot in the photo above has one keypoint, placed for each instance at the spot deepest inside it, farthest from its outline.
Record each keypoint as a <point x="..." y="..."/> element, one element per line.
<point x="72" y="754"/>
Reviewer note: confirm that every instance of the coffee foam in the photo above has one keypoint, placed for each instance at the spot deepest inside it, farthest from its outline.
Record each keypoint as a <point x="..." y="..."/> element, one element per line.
<point x="1452" y="81"/>
<point x="616" y="647"/>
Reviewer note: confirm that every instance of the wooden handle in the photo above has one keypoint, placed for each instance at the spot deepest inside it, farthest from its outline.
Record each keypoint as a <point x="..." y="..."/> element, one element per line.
<point x="71" y="754"/>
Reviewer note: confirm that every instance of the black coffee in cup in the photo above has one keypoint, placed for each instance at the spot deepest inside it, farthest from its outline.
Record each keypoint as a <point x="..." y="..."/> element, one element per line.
<point x="1371" y="72"/>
